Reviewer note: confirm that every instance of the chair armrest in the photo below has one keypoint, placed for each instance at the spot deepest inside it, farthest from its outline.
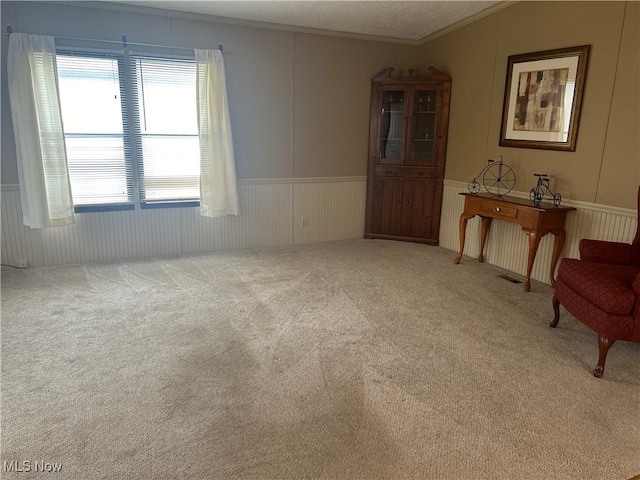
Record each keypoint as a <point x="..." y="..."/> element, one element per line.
<point x="609" y="252"/>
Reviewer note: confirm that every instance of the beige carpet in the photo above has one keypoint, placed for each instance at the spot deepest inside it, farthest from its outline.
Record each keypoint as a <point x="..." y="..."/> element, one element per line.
<point x="361" y="359"/>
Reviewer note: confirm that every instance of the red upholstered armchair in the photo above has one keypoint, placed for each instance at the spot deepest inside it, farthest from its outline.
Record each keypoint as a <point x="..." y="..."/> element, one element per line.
<point x="602" y="290"/>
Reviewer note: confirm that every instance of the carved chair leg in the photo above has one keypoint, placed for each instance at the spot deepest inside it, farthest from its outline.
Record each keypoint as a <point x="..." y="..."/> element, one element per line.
<point x="604" y="344"/>
<point x="556" y="311"/>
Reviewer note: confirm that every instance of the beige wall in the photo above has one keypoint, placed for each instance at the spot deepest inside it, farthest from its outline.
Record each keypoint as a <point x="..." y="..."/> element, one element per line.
<point x="605" y="168"/>
<point x="332" y="86"/>
<point x="621" y="152"/>
<point x="299" y="102"/>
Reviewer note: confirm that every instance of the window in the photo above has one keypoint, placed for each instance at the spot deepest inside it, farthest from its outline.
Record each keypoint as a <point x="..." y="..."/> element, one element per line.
<point x="130" y="129"/>
<point x="166" y="110"/>
<point x="91" y="94"/>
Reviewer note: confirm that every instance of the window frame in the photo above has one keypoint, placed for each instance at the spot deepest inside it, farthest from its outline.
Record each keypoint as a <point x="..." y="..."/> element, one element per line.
<point x="132" y="132"/>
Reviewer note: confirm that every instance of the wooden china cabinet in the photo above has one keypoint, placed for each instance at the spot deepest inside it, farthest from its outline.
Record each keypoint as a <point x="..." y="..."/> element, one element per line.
<point x="407" y="148"/>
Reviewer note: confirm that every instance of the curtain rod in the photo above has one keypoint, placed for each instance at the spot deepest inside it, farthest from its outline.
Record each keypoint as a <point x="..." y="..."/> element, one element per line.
<point x="124" y="42"/>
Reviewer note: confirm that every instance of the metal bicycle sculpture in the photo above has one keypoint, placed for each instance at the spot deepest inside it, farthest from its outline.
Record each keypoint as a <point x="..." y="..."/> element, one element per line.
<point x="537" y="193"/>
<point x="497" y="178"/>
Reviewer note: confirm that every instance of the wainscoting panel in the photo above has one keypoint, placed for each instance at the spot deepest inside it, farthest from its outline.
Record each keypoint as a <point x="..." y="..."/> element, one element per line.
<point x="508" y="246"/>
<point x="333" y="210"/>
<point x="19" y="243"/>
<point x="264" y="221"/>
<point x="270" y="212"/>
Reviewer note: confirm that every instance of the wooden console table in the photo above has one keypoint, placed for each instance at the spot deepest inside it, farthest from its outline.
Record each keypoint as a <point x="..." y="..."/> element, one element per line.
<point x="536" y="222"/>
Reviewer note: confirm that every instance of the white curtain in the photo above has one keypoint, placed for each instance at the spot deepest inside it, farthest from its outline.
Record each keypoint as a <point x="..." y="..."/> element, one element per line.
<point x="218" y="186"/>
<point x="45" y="189"/>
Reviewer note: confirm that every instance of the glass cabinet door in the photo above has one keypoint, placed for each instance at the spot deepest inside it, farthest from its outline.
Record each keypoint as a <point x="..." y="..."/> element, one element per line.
<point x="391" y="124"/>
<point x="423" y="129"/>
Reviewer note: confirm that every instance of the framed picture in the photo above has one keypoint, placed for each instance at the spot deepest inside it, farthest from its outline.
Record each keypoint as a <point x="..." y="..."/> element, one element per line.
<point x="542" y="99"/>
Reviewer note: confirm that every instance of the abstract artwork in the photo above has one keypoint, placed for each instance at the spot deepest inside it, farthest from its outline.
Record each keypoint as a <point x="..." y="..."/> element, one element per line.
<point x="543" y="96"/>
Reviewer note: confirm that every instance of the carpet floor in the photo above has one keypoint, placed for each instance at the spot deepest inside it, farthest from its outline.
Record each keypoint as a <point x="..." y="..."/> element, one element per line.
<point x="363" y="359"/>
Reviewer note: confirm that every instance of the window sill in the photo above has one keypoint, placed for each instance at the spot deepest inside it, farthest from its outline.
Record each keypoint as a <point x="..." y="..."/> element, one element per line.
<point x="103" y="208"/>
<point x="176" y="204"/>
<point x="130" y="206"/>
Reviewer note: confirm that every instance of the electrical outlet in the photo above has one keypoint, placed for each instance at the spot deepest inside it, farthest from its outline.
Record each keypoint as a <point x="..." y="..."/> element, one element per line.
<point x="304" y="222"/>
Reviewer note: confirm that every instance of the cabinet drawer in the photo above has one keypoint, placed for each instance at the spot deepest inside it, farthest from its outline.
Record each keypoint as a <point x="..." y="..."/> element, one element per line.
<point x="499" y="210"/>
<point x="404" y="172"/>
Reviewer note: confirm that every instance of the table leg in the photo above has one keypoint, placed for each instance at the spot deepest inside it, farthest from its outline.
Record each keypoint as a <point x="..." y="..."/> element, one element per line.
<point x="463" y="229"/>
<point x="558" y="243"/>
<point x="486" y="225"/>
<point x="534" y="241"/>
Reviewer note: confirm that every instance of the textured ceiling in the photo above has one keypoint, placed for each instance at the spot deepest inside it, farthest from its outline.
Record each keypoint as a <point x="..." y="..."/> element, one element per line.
<point x="403" y="20"/>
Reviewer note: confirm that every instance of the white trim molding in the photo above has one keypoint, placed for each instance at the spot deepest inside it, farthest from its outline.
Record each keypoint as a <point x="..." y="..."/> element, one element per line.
<point x="296" y="180"/>
<point x="565" y="202"/>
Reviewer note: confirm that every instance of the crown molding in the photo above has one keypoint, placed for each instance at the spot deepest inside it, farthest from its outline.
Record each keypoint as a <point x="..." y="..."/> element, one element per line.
<point x="235" y="21"/>
<point x="106" y="5"/>
<point x="473" y="18"/>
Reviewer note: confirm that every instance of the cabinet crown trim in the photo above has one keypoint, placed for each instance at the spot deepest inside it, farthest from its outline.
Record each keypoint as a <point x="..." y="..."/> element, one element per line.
<point x="435" y="76"/>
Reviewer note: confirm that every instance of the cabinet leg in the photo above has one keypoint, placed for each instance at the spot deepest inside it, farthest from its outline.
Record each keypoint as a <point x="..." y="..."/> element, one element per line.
<point x="556" y="312"/>
<point x="463" y="229"/>
<point x="534" y="242"/>
<point x="486" y="225"/>
<point x="558" y="243"/>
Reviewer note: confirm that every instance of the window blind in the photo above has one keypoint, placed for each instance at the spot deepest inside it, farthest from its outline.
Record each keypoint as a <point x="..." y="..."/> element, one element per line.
<point x="168" y="155"/>
<point x="92" y="92"/>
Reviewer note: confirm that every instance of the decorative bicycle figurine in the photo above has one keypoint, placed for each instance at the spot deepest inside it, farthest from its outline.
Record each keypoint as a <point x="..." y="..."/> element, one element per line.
<point x="497" y="178"/>
<point x="537" y="193"/>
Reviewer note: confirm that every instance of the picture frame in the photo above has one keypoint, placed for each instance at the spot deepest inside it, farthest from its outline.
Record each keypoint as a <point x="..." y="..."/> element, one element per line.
<point x="543" y="98"/>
